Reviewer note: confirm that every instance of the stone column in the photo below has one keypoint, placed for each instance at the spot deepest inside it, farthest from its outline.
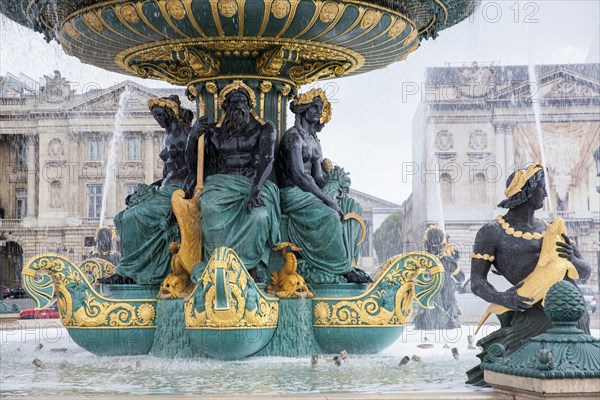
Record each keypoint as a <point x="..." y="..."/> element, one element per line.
<point x="509" y="142"/>
<point x="505" y="154"/>
<point x="32" y="174"/>
<point x="148" y="157"/>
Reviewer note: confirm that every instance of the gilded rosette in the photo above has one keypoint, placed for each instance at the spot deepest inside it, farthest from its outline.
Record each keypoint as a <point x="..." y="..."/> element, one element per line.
<point x="227" y="297"/>
<point x="80" y="305"/>
<point x="388" y="301"/>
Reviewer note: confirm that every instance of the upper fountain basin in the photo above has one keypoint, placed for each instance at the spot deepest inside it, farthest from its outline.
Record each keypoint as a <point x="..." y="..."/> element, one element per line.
<point x="189" y="41"/>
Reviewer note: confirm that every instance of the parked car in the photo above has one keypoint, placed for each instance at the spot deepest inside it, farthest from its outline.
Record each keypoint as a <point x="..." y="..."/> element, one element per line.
<point x="589" y="297"/>
<point x="17" y="293"/>
<point x="49" y="312"/>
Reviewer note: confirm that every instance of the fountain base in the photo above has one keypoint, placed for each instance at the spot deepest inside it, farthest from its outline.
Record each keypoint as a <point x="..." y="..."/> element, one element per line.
<point x="295" y="335"/>
<point x="171" y="339"/>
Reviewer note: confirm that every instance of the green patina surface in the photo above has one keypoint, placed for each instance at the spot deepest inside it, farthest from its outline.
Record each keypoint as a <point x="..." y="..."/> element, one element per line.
<point x="563" y="352"/>
<point x="115" y="341"/>
<point x="294" y="336"/>
<point x="171" y="339"/>
<point x="146" y="230"/>
<point x="357" y="340"/>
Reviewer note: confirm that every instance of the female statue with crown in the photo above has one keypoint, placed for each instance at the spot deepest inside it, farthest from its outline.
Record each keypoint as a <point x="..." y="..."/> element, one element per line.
<point x="147" y="226"/>
<point x="317" y="207"/>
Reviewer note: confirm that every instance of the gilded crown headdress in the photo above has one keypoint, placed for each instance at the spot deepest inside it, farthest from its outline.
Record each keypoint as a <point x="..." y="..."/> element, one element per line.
<point x="432" y="228"/>
<point x="238" y="85"/>
<point x="164" y="103"/>
<point x="308" y="97"/>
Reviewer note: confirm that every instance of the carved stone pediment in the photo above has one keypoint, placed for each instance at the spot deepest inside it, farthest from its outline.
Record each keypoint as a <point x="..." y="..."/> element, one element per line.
<point x="570" y="89"/>
<point x="107" y="100"/>
<point x="475" y="81"/>
<point x="559" y="83"/>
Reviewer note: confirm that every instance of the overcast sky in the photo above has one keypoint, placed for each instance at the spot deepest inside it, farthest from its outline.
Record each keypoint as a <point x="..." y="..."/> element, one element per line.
<point x="370" y="133"/>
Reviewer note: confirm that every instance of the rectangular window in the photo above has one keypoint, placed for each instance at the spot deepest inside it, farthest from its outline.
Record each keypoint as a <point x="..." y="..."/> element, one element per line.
<point x="130" y="188"/>
<point x="94" y="195"/>
<point x="133" y="148"/>
<point x="95" y="153"/>
<point x="22" y="154"/>
<point x="21" y="203"/>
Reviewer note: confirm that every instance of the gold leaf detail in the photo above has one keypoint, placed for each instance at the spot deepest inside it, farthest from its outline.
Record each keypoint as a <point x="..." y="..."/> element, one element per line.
<point x="129" y="13"/>
<point x="328" y="12"/>
<point x="397" y="28"/>
<point x="322" y="312"/>
<point x="280" y="8"/>
<point x="71" y="30"/>
<point x="146" y="313"/>
<point x="91" y="19"/>
<point x="211" y="87"/>
<point x="369" y="19"/>
<point x="175" y="9"/>
<point x="265" y="86"/>
<point x="227" y="8"/>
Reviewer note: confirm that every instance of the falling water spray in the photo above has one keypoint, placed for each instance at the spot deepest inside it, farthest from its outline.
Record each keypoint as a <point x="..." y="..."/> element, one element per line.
<point x="535" y="105"/>
<point x="438" y="184"/>
<point x="112" y="152"/>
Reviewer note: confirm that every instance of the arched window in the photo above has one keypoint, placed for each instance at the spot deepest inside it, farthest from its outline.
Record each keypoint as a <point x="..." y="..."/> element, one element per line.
<point x="446" y="189"/>
<point x="56" y="195"/>
<point x="479" y="189"/>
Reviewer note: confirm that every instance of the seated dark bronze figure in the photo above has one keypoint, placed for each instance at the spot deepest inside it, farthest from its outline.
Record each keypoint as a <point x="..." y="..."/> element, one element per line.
<point x="239" y="205"/>
<point x="147" y="226"/>
<point x="329" y="247"/>
<point x="105" y="246"/>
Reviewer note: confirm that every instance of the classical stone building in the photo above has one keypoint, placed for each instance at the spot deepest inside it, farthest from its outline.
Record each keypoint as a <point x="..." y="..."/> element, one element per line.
<point x="58" y="162"/>
<point x="477" y="124"/>
<point x="61" y="162"/>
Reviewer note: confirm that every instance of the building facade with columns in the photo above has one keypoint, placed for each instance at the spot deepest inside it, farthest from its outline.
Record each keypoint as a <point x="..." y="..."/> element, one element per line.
<point x="59" y="167"/>
<point x="477" y="124"/>
<point x="61" y="162"/>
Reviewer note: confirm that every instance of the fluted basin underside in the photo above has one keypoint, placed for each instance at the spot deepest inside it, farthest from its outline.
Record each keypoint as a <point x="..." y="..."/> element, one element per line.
<point x="191" y="41"/>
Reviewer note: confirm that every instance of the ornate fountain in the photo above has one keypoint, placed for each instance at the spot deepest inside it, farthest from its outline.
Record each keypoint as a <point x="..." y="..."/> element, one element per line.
<point x="269" y="48"/>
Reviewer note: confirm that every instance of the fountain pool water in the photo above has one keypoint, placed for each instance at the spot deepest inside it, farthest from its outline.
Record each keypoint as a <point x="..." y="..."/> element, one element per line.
<point x="70" y="370"/>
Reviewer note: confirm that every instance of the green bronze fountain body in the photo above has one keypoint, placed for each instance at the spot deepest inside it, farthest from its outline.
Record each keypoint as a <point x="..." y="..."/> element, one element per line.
<point x="236" y="54"/>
